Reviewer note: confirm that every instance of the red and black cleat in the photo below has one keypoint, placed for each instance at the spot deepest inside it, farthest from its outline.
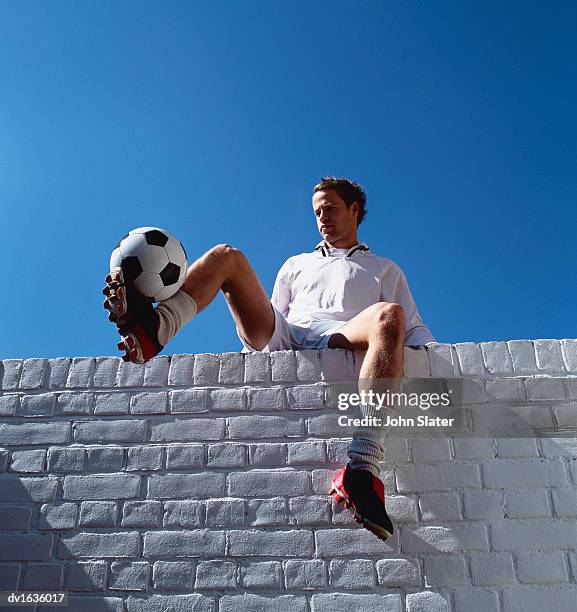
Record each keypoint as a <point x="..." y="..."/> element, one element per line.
<point x="134" y="316"/>
<point x="364" y="495"/>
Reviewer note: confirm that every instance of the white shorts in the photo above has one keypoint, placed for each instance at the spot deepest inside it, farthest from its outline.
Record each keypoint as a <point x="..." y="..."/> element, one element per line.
<point x="287" y="336"/>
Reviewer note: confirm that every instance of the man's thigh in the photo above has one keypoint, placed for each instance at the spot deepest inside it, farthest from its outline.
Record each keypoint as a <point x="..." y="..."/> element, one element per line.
<point x="354" y="335"/>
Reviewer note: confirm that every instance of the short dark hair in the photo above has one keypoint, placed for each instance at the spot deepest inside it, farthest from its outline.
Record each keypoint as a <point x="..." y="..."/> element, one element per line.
<point x="348" y="191"/>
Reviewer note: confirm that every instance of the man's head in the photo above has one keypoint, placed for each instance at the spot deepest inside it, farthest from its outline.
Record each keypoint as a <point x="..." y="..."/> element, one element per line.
<point x="339" y="207"/>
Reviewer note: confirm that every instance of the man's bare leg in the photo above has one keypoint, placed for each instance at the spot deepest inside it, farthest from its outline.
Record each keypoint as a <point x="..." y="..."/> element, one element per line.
<point x="379" y="330"/>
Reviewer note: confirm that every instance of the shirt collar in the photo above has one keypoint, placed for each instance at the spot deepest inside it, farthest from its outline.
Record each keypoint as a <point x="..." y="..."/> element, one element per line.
<point x="323" y="249"/>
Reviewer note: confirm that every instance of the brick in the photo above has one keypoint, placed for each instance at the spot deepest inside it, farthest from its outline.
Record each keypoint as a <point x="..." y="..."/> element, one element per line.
<point x="3" y="459"/>
<point x="523" y="599"/>
<point x="184" y="456"/>
<point x="9" y="405"/>
<point x="500" y="473"/>
<point x="398" y="572"/>
<point x="15" y="518"/>
<point x="141" y="514"/>
<point x="171" y="486"/>
<point x="533" y="534"/>
<point x="226" y="455"/>
<point x="402" y="508"/>
<point x="496" y="358"/>
<point x="206" y="368"/>
<point x="156" y="371"/>
<point x="101" y="486"/>
<point x="111" y="403"/>
<point x="309" y="510"/>
<point x="440" y="506"/>
<point x="566" y="415"/>
<point x="492" y="569"/>
<point x="308" y="452"/>
<point x="559" y="447"/>
<point x="321" y="480"/>
<point x="251" y="427"/>
<point x="104" y="459"/>
<point x="181" y="370"/>
<point x="189" y="400"/>
<point x="305" y="575"/>
<point x="337" y="451"/>
<point x="476" y="600"/>
<point x="264" y="512"/>
<point x="182" y="514"/>
<point x="125" y="544"/>
<point x="416" y="363"/>
<point x="224" y="512"/>
<point x="16" y="488"/>
<point x="86" y="576"/>
<point x="308" y="365"/>
<point x="144" y="458"/>
<point x="257" y="367"/>
<point x="188" y="429"/>
<point x="352" y="574"/>
<point x="34" y="373"/>
<point x="149" y="402"/>
<point x="28" y="461"/>
<point x="65" y="459"/>
<point x="261" y="575"/>
<point x="305" y="397"/>
<point x="445" y="570"/>
<point x="523" y="356"/>
<point x="57" y="516"/>
<point x="453" y="537"/>
<point x="430" y="449"/>
<point x="26" y="547"/>
<point x="505" y="390"/>
<point x="344" y="602"/>
<point x="266" y="398"/>
<point x="37" y="405"/>
<point x="483" y="505"/>
<point x="527" y="503"/>
<point x="419" y="478"/>
<point x="130" y="374"/>
<point x="522" y="420"/>
<point x="120" y="430"/>
<point x="80" y="373"/>
<point x="9" y="575"/>
<point x="215" y="575"/>
<point x="345" y="542"/>
<point x="90" y="604"/>
<point x="327" y="426"/>
<point x="128" y="575"/>
<point x="335" y="364"/>
<point x="548" y="356"/>
<point x="195" y="543"/>
<point x="291" y="543"/>
<point x="267" y="454"/>
<point x="42" y="577"/>
<point x="98" y="514"/>
<point x="11" y="370"/>
<point x="231" y="369"/>
<point x="75" y="403"/>
<point x="542" y="568"/>
<point x="58" y="372"/>
<point x="545" y="388"/>
<point x="105" y="372"/>
<point x="565" y="501"/>
<point x="259" y="603"/>
<point x="569" y="352"/>
<point x="440" y="360"/>
<point x="427" y="601"/>
<point x="174" y="603"/>
<point x="268" y="483"/>
<point x="283" y="366"/>
<point x="173" y="575"/>
<point x="474" y="448"/>
<point x="517" y="447"/>
<point x="228" y="400"/>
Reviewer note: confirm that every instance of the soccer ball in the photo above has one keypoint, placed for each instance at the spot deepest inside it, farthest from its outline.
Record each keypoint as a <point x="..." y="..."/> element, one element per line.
<point x="153" y="259"/>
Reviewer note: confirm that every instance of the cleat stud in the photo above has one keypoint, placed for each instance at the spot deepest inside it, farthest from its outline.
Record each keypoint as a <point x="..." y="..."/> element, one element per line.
<point x="125" y="358"/>
<point x="108" y="278"/>
<point x="120" y="292"/>
<point x="121" y="346"/>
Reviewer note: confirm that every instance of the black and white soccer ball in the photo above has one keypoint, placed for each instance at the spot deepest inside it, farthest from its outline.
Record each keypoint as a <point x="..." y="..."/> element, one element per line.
<point x="153" y="259"/>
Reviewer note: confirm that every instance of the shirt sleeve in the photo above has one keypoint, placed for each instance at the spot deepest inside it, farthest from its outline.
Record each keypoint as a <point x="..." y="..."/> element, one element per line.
<point x="416" y="332"/>
<point x="281" y="293"/>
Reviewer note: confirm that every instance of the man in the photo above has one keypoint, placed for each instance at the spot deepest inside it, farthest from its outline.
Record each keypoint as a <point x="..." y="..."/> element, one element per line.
<point x="339" y="296"/>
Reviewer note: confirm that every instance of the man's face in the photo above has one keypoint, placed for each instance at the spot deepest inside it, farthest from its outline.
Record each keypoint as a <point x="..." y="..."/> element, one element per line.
<point x="336" y="222"/>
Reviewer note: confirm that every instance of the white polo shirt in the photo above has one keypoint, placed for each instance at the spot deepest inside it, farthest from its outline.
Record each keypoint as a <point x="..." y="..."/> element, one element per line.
<point x="328" y="287"/>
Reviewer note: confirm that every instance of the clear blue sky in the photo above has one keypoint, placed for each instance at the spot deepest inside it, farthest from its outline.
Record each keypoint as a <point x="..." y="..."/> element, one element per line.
<point x="215" y="119"/>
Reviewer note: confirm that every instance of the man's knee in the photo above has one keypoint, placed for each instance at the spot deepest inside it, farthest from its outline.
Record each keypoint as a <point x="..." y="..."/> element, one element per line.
<point x="226" y="254"/>
<point x="388" y="320"/>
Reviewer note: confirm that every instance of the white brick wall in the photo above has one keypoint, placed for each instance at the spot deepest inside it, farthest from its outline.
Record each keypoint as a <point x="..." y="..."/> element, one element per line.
<point x="199" y="482"/>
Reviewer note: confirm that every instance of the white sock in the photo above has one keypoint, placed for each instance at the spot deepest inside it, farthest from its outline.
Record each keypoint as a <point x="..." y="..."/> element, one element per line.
<point x="173" y="314"/>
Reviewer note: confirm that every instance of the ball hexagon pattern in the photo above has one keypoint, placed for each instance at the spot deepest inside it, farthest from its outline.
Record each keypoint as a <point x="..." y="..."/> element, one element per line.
<point x="153" y="259"/>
